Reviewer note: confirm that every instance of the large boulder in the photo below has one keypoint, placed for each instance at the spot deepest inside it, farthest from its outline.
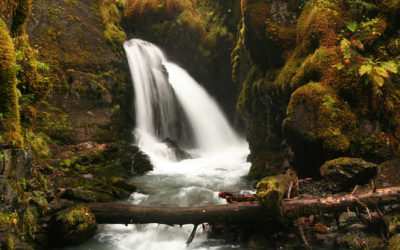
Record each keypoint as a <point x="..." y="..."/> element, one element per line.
<point x="73" y="226"/>
<point x="345" y="172"/>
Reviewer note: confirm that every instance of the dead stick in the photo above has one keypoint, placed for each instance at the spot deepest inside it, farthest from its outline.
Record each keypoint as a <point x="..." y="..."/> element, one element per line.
<point x="373" y="186"/>
<point x="191" y="237"/>
<point x="290" y="189"/>
<point x="301" y="236"/>
<point x="384" y="224"/>
<point x="297" y="187"/>
<point x="354" y="190"/>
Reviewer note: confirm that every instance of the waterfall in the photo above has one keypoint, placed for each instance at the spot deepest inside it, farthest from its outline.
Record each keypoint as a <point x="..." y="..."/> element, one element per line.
<point x="170" y="103"/>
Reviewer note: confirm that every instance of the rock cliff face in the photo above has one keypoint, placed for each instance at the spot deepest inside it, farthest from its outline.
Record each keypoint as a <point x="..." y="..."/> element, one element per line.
<point x="87" y="71"/>
<point x="65" y="114"/>
<point x="321" y="80"/>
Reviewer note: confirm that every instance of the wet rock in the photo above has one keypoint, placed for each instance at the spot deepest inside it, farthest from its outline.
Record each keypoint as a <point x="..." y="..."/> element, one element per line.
<point x="78" y="195"/>
<point x="343" y="173"/>
<point x="359" y="241"/>
<point x="180" y="154"/>
<point x="347" y="219"/>
<point x="73" y="226"/>
<point x="134" y="160"/>
<point x="389" y="174"/>
<point x="122" y="183"/>
<point x="15" y="165"/>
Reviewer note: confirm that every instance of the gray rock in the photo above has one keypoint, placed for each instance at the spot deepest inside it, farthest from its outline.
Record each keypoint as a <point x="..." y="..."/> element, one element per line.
<point x="345" y="172"/>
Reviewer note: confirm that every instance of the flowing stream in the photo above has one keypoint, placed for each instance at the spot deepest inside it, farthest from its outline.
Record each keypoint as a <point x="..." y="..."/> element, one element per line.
<point x="169" y="103"/>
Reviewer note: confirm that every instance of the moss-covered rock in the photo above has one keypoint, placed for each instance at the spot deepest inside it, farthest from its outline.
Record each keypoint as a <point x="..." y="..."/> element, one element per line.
<point x="345" y="172"/>
<point x="9" y="112"/>
<point x="318" y="122"/>
<point x="73" y="226"/>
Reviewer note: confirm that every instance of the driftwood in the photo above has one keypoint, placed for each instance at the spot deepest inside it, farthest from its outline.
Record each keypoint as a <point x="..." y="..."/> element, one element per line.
<point x="124" y="213"/>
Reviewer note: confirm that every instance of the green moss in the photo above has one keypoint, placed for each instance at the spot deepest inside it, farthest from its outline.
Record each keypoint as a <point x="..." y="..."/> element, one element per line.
<point x="74" y="225"/>
<point x="29" y="222"/>
<point x="9" y="118"/>
<point x="114" y="35"/>
<point x="318" y="25"/>
<point x="332" y="121"/>
<point x="271" y="190"/>
<point x="245" y="95"/>
<point x="21" y="15"/>
<point x="235" y="55"/>
<point x="110" y="15"/>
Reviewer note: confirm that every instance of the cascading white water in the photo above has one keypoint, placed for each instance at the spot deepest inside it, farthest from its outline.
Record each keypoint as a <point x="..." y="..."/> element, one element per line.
<point x="163" y="91"/>
<point x="156" y="83"/>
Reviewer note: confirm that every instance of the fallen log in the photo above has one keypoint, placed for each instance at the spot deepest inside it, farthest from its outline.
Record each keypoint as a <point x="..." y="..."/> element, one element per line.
<point x="125" y="213"/>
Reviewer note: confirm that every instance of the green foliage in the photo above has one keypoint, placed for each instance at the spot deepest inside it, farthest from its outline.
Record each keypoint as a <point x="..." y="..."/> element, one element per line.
<point x="352" y="26"/>
<point x="378" y="72"/>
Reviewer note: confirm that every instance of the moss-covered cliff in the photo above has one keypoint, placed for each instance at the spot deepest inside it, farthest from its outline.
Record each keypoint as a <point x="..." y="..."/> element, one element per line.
<point x="322" y="81"/>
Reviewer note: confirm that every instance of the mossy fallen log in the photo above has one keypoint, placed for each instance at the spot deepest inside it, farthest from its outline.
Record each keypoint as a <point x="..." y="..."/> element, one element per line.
<point x="124" y="213"/>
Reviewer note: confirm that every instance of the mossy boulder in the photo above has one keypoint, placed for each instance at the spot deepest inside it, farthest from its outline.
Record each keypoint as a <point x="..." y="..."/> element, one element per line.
<point x="73" y="226"/>
<point x="345" y="172"/>
<point x="271" y="190"/>
<point x="135" y="160"/>
<point x="318" y="126"/>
